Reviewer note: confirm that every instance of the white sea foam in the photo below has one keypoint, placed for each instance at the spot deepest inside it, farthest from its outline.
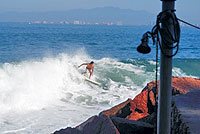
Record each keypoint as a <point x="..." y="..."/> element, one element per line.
<point x="178" y="72"/>
<point x="32" y="85"/>
<point x="152" y="62"/>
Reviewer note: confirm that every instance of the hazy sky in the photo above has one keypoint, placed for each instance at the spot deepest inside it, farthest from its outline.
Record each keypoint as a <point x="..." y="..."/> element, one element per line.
<point x="187" y="9"/>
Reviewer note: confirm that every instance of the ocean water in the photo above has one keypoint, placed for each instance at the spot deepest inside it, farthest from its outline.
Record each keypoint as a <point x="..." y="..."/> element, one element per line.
<point x="41" y="88"/>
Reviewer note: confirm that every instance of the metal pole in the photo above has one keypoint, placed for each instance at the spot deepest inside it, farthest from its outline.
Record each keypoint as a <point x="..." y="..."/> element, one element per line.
<point x="165" y="92"/>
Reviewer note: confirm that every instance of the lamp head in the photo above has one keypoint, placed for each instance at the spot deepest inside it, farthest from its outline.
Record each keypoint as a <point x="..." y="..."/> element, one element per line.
<point x="144" y="47"/>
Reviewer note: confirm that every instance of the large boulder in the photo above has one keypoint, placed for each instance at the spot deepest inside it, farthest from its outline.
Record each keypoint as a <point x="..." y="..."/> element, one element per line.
<point x="94" y="125"/>
<point x="144" y="103"/>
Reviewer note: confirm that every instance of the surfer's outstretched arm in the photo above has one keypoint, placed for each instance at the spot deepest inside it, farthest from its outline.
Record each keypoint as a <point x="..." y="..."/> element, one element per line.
<point x="82" y="64"/>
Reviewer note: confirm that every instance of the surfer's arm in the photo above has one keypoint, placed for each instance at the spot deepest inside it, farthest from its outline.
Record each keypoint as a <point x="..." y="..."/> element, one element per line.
<point x="82" y="64"/>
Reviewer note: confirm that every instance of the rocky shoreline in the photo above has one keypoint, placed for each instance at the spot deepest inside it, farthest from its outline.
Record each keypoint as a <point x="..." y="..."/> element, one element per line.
<point x="138" y="115"/>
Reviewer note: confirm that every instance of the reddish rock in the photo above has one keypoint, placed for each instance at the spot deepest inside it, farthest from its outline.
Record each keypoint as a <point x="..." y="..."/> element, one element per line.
<point x="184" y="84"/>
<point x="116" y="109"/>
<point x="136" y="116"/>
<point x="139" y="105"/>
<point x="144" y="103"/>
<point x="180" y="85"/>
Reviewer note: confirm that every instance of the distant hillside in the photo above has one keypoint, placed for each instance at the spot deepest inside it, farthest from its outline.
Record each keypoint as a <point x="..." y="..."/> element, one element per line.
<point x="95" y="15"/>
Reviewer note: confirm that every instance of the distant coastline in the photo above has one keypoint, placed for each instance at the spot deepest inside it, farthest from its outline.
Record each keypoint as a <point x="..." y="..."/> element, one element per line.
<point x="77" y="22"/>
<point x="94" y="16"/>
<point x="82" y="23"/>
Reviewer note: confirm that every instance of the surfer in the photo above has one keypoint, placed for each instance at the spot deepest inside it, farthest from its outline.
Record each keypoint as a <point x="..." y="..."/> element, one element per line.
<point x="89" y="67"/>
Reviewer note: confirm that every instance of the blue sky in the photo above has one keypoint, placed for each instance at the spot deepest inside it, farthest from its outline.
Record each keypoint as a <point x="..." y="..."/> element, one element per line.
<point x="186" y="9"/>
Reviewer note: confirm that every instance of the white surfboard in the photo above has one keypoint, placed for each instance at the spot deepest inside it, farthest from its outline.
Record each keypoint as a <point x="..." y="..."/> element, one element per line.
<point x="92" y="81"/>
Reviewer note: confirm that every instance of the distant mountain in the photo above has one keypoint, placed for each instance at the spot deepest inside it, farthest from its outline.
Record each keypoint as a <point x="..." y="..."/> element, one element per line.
<point x="95" y="15"/>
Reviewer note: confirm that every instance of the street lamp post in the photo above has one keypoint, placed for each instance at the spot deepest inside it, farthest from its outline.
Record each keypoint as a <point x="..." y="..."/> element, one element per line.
<point x="165" y="92"/>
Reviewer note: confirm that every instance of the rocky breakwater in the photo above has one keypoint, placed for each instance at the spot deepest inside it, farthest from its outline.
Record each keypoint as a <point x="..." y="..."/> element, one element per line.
<point x="139" y="115"/>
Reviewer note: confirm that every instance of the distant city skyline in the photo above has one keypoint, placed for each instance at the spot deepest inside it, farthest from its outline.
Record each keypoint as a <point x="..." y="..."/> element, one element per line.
<point x="186" y="9"/>
<point x="104" y="15"/>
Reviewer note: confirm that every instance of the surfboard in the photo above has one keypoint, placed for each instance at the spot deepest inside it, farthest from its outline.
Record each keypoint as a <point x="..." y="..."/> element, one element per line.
<point x="92" y="81"/>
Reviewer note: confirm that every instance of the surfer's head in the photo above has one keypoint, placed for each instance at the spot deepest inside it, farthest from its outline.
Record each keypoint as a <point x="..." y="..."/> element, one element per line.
<point x="92" y="62"/>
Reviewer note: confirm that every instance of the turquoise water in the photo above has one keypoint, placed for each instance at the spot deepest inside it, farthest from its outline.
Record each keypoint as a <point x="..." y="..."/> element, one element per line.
<point x="41" y="88"/>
